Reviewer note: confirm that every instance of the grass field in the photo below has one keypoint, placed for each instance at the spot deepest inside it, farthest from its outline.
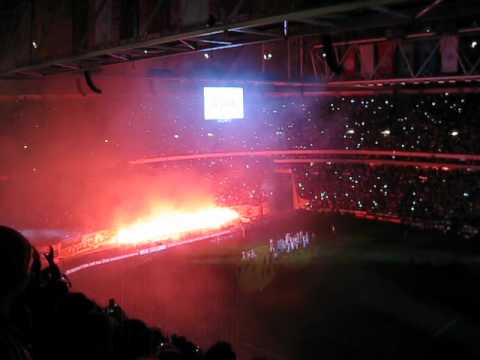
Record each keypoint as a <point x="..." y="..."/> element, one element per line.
<point x="366" y="289"/>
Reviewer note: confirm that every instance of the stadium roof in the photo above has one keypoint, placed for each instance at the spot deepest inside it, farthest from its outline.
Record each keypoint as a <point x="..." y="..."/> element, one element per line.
<point x="243" y="22"/>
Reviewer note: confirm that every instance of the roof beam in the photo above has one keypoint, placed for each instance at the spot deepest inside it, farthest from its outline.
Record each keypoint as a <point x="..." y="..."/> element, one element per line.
<point x="387" y="11"/>
<point x="69" y="67"/>
<point x="323" y="11"/>
<point x="30" y="73"/>
<point x="152" y="15"/>
<point x="320" y="23"/>
<point x="256" y="32"/>
<point x="188" y="45"/>
<point x="428" y="8"/>
<point x="119" y="57"/>
<point x="217" y="42"/>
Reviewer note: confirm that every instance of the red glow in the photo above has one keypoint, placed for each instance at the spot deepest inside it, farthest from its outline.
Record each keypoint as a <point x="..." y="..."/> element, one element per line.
<point x="175" y="223"/>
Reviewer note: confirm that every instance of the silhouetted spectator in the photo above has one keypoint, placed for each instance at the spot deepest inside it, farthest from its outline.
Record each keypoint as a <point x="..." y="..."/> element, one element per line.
<point x="188" y="349"/>
<point x="15" y="263"/>
<point x="52" y="270"/>
<point x="114" y="310"/>
<point x="220" y="351"/>
<point x="136" y="340"/>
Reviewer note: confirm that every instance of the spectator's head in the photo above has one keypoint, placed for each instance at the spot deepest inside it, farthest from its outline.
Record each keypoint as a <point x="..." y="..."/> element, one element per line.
<point x="220" y="351"/>
<point x="137" y="339"/>
<point x="15" y="263"/>
<point x="169" y="352"/>
<point x="188" y="349"/>
<point x="76" y="305"/>
<point x="111" y="302"/>
<point x="158" y="336"/>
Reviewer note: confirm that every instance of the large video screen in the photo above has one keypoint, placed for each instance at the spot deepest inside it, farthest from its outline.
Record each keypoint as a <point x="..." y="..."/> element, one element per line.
<point x="223" y="103"/>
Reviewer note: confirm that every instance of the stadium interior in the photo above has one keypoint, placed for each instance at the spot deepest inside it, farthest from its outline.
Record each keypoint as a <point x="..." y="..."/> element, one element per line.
<point x="238" y="179"/>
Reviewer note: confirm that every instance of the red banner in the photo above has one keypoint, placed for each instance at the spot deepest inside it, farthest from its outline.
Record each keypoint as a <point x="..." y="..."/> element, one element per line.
<point x="366" y="60"/>
<point x="350" y="62"/>
<point x="449" y="52"/>
<point x="386" y="56"/>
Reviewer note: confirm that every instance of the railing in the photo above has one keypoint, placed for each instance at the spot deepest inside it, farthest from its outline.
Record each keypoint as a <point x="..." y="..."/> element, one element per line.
<point x="377" y="157"/>
<point x="156" y="248"/>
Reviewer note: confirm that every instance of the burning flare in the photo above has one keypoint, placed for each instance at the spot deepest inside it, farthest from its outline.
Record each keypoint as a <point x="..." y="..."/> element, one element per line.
<point x="174" y="224"/>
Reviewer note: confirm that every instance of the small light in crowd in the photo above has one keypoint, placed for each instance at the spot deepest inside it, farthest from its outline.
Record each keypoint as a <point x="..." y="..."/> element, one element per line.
<point x="350" y="131"/>
<point x="25" y="147"/>
<point x="454" y="133"/>
<point x="465" y="194"/>
<point x="324" y="55"/>
<point x="210" y="135"/>
<point x="473" y="44"/>
<point x="176" y="136"/>
<point x="267" y="56"/>
<point x="386" y="132"/>
<point x="106" y="141"/>
<point x="145" y="51"/>
<point x="34" y="44"/>
<point x="206" y="56"/>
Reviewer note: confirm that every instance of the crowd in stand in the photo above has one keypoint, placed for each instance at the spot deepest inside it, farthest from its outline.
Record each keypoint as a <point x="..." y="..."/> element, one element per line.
<point x="409" y="193"/>
<point x="441" y="123"/>
<point x="40" y="318"/>
<point x="231" y="180"/>
<point x="431" y="123"/>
